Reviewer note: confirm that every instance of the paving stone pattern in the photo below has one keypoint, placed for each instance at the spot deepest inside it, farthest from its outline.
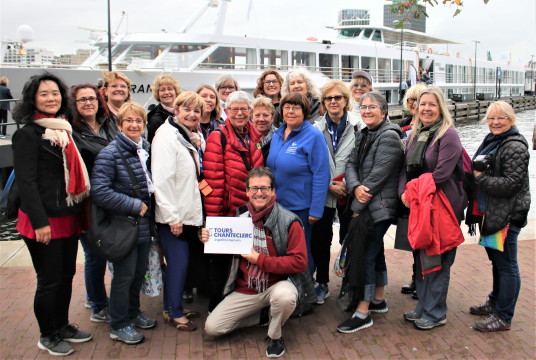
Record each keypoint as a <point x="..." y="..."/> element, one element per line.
<point x="311" y="337"/>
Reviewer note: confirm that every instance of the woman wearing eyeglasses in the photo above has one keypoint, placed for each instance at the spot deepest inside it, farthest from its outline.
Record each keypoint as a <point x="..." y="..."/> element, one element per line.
<point x="299" y="159"/>
<point x="92" y="131"/>
<point x="226" y="84"/>
<point x="231" y="151"/>
<point x="372" y="178"/>
<point x="361" y="84"/>
<point x="300" y="81"/>
<point x="502" y="202"/>
<point x="339" y="134"/>
<point x="116" y="91"/>
<point x="269" y="86"/>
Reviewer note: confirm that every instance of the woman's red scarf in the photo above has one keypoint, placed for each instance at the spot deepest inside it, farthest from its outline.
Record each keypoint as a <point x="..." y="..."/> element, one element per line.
<point x="58" y="131"/>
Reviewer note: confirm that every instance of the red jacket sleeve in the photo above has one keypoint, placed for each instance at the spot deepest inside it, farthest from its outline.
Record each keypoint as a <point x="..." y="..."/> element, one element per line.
<point x="295" y="260"/>
<point x="214" y="174"/>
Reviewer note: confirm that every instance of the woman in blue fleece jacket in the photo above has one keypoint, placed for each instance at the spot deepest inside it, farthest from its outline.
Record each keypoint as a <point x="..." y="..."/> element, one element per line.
<point x="299" y="159"/>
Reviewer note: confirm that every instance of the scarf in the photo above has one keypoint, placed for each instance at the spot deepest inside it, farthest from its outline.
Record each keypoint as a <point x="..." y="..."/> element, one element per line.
<point x="416" y="159"/>
<point x="336" y="130"/>
<point x="58" y="131"/>
<point x="256" y="276"/>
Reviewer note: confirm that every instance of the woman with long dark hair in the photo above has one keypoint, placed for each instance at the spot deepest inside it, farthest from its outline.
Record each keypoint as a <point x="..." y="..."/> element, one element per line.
<point x="52" y="181"/>
<point x="92" y="131"/>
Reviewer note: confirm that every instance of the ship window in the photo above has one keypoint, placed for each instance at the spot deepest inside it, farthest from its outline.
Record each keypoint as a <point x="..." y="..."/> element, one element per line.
<point x="118" y="50"/>
<point x="274" y="59"/>
<point x="349" y="64"/>
<point x="377" y="36"/>
<point x="351" y="33"/>
<point x="139" y="53"/>
<point x="231" y="58"/>
<point x="304" y="58"/>
<point x="367" y="33"/>
<point x="329" y="65"/>
<point x="384" y="71"/>
<point x="181" y="56"/>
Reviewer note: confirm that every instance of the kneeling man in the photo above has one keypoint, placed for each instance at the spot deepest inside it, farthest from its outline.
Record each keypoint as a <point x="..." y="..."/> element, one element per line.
<point x="274" y="274"/>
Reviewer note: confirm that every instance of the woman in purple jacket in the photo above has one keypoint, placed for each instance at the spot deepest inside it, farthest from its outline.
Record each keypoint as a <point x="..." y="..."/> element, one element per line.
<point x="434" y="147"/>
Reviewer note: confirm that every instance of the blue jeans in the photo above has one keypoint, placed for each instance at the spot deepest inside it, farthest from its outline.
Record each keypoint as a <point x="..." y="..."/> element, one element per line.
<point x="94" y="269"/>
<point x="177" y="253"/>
<point x="375" y="266"/>
<point x="129" y="273"/>
<point x="307" y="228"/>
<point x="506" y="277"/>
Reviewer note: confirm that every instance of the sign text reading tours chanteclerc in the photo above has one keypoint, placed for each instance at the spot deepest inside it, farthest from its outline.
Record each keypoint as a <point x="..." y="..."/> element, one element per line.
<point x="229" y="235"/>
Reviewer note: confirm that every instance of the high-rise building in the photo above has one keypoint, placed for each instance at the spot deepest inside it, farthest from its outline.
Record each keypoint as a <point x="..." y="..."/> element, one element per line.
<point x="411" y="23"/>
<point x="354" y="17"/>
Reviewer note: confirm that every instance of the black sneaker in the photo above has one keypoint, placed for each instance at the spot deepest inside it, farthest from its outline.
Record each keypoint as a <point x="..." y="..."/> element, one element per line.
<point x="408" y="288"/>
<point x="71" y="333"/>
<point x="276" y="348"/>
<point x="378" y="308"/>
<point x="55" y="345"/>
<point x="354" y="324"/>
<point x="482" y="309"/>
<point x="143" y="322"/>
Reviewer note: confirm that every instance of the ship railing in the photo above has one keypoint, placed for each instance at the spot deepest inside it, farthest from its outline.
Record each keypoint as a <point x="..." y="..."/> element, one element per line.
<point x="46" y="66"/>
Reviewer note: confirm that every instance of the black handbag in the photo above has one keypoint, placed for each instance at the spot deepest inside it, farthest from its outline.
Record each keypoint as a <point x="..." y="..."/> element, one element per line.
<point x="401" y="236"/>
<point x="114" y="236"/>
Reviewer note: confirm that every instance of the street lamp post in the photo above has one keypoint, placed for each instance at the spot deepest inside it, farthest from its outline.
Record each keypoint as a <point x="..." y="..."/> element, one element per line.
<point x="401" y="59"/>
<point x="474" y="72"/>
<point x="109" y="39"/>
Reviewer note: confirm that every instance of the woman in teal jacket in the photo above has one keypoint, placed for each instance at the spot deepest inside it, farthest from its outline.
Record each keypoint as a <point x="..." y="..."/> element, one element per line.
<point x="299" y="159"/>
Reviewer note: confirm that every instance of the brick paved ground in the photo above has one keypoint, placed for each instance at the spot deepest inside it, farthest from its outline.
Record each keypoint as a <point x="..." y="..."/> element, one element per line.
<point x="312" y="337"/>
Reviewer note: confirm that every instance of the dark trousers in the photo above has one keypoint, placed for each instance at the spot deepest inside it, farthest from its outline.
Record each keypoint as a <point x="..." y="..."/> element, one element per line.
<point x="177" y="253"/>
<point x="307" y="228"/>
<point x="218" y="273"/>
<point x="126" y="284"/>
<point x="375" y="266"/>
<point x="506" y="277"/>
<point x="321" y="237"/>
<point x="433" y="289"/>
<point x="94" y="270"/>
<point x="3" y="120"/>
<point x="55" y="266"/>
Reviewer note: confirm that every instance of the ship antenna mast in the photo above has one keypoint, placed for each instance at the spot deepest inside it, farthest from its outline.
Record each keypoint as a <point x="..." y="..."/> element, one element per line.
<point x="197" y="15"/>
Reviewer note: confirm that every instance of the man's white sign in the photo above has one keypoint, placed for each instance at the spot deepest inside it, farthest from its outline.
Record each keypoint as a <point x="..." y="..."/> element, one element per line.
<point x="229" y="235"/>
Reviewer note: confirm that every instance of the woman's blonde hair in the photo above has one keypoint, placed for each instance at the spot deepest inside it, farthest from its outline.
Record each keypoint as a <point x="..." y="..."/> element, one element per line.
<point x="165" y="79"/>
<point x="263" y="102"/>
<point x="444" y="112"/>
<point x="216" y="113"/>
<point x="189" y="98"/>
<point x="501" y="107"/>
<point x="134" y="107"/>
<point x="413" y="93"/>
<point x="110" y="77"/>
<point x="339" y="85"/>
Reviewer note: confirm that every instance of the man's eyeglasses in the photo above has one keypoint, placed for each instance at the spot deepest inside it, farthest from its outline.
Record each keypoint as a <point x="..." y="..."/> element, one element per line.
<point x="293" y="108"/>
<point x="235" y="111"/>
<point x="263" y="189"/>
<point x="335" y="97"/>
<point x="84" y="100"/>
<point x="363" y="85"/>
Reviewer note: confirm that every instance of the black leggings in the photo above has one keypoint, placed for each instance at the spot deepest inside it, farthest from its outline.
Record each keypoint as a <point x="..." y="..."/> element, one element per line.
<point x="55" y="266"/>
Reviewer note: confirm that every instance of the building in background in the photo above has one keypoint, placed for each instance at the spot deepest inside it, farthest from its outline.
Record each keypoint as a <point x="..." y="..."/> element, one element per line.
<point x="411" y="22"/>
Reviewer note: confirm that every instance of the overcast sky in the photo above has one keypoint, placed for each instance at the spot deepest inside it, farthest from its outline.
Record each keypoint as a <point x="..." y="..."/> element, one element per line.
<point x="507" y="28"/>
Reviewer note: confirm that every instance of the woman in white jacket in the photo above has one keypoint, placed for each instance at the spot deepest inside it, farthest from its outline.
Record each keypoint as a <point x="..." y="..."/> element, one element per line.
<point x="177" y="150"/>
<point x="338" y="131"/>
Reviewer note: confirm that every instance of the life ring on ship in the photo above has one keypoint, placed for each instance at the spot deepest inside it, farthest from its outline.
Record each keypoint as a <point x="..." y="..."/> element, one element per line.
<point x="430" y="51"/>
<point x="312" y="38"/>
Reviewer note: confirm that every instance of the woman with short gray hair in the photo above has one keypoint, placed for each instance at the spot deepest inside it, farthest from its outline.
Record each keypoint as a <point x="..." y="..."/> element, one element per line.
<point x="300" y="80"/>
